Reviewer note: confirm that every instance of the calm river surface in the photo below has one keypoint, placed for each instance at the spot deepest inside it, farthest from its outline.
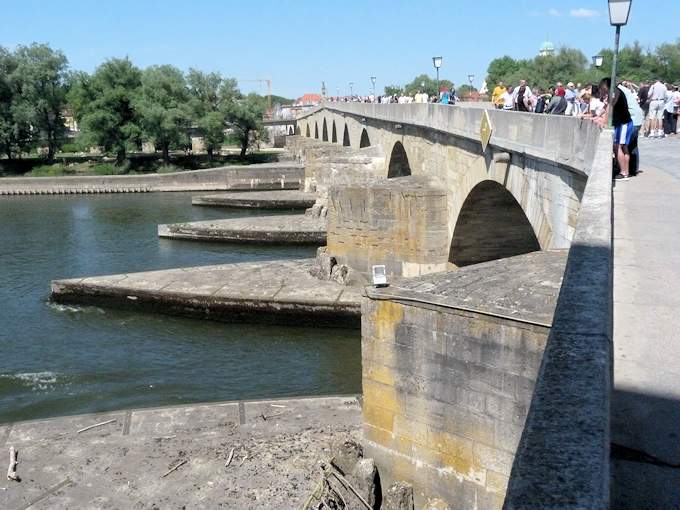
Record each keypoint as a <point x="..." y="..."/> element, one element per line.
<point x="57" y="360"/>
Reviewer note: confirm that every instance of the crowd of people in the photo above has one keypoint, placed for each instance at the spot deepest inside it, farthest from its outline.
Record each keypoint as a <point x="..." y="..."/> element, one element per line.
<point x="446" y="96"/>
<point x="647" y="109"/>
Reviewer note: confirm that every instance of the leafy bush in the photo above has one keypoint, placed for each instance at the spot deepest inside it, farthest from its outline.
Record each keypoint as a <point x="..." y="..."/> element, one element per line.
<point x="55" y="170"/>
<point x="168" y="169"/>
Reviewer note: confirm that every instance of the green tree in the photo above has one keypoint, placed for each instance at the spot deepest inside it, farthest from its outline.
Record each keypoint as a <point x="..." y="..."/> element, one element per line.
<point x="40" y="78"/>
<point x="163" y="106"/>
<point x="500" y="68"/>
<point x="212" y="126"/>
<point x="103" y="105"/>
<point x="204" y="89"/>
<point x="668" y="57"/>
<point x="424" y="83"/>
<point x="393" y="90"/>
<point x="245" y="119"/>
<point x="465" y="91"/>
<point x="15" y="127"/>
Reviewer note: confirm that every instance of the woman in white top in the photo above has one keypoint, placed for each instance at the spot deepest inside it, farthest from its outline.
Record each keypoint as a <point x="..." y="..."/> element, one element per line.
<point x="508" y="99"/>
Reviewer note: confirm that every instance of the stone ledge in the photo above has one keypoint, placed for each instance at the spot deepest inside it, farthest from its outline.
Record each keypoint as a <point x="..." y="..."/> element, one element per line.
<point x="258" y="200"/>
<point x="278" y="229"/>
<point x="269" y="292"/>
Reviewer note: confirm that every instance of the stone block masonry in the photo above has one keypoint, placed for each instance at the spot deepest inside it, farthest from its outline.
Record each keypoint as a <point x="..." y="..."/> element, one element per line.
<point x="448" y="375"/>
<point x="401" y="223"/>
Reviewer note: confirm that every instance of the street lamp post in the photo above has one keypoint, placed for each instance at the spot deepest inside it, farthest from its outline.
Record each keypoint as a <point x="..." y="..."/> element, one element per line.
<point x="597" y="61"/>
<point x="351" y="89"/>
<point x="471" y="79"/>
<point x="437" y="61"/>
<point x="373" y="78"/>
<point x="618" y="17"/>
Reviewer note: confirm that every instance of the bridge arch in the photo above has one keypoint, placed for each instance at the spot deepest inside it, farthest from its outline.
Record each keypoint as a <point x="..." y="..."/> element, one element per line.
<point x="308" y="135"/>
<point x="491" y="225"/>
<point x="345" y="137"/>
<point x="364" y="142"/>
<point x="334" y="133"/>
<point x="290" y="130"/>
<point x="316" y="130"/>
<point x="324" y="131"/>
<point x="398" y="165"/>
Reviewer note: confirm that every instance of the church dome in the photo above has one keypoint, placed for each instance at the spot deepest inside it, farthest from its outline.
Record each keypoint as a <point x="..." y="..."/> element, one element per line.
<point x="547" y="48"/>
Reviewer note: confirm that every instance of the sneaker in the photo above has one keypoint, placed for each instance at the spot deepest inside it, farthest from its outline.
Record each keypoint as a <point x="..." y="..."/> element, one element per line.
<point x="621" y="177"/>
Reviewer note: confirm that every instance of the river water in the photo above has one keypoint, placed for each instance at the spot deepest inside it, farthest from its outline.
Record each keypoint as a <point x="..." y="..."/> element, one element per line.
<point x="57" y="360"/>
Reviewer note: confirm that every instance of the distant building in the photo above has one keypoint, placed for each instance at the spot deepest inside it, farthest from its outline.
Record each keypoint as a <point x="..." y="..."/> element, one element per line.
<point x="70" y="122"/>
<point x="547" y="49"/>
<point x="309" y="100"/>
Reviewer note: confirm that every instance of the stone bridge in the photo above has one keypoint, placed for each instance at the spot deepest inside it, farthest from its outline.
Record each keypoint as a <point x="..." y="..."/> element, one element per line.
<point x="488" y="386"/>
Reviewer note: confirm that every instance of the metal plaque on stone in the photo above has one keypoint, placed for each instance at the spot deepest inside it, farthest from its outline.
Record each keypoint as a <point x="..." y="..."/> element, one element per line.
<point x="485" y="130"/>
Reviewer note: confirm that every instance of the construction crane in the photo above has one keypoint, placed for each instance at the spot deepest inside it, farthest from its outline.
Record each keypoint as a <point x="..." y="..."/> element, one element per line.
<point x="269" y="88"/>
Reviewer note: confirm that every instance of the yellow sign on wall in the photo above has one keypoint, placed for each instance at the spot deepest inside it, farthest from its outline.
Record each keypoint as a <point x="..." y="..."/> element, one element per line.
<point x="485" y="130"/>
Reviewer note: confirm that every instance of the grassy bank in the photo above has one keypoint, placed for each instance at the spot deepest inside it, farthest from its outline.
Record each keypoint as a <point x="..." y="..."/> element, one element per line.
<point x="77" y="165"/>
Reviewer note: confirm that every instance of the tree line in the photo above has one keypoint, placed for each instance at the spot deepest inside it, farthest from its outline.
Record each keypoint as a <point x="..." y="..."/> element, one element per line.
<point x="118" y="106"/>
<point x="569" y="64"/>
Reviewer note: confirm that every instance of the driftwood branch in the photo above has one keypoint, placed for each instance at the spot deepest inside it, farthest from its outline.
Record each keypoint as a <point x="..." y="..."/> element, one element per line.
<point x="96" y="425"/>
<point x="349" y="486"/>
<point x="313" y="495"/>
<point x="12" y="470"/>
<point x="230" y="458"/>
<point x="175" y="468"/>
<point x="266" y="417"/>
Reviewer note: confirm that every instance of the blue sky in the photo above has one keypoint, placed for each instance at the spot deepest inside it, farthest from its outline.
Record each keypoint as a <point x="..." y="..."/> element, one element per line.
<point x="299" y="43"/>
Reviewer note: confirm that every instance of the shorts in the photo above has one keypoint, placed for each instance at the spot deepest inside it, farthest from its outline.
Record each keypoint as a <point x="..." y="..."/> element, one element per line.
<point x="623" y="134"/>
<point x="656" y="109"/>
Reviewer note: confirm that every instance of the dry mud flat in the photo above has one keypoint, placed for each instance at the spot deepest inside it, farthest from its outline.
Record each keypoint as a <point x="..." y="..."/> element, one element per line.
<point x="262" y="454"/>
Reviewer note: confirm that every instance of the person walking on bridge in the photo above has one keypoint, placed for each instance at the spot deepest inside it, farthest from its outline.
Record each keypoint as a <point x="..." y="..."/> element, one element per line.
<point x="657" y="103"/>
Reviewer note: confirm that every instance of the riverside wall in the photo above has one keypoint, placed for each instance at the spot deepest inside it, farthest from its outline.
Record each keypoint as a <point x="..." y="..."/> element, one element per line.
<point x="267" y="176"/>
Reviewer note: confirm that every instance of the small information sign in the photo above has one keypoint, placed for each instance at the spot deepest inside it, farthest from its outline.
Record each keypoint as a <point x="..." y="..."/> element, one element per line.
<point x="485" y="130"/>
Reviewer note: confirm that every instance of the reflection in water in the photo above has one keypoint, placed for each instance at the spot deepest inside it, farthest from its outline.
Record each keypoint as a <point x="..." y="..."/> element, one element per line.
<point x="63" y="360"/>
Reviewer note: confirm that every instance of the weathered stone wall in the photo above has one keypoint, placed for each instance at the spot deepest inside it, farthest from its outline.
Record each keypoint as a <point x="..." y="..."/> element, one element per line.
<point x="327" y="164"/>
<point x="402" y="223"/>
<point x="446" y="393"/>
<point x="265" y="176"/>
<point x="559" y="172"/>
<point x="545" y="173"/>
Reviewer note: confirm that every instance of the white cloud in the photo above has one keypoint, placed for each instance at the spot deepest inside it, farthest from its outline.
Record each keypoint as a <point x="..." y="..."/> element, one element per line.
<point x="554" y="12"/>
<point x="583" y="13"/>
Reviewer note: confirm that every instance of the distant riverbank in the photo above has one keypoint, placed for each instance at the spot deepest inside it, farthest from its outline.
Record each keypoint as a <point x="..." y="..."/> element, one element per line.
<point x="136" y="164"/>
